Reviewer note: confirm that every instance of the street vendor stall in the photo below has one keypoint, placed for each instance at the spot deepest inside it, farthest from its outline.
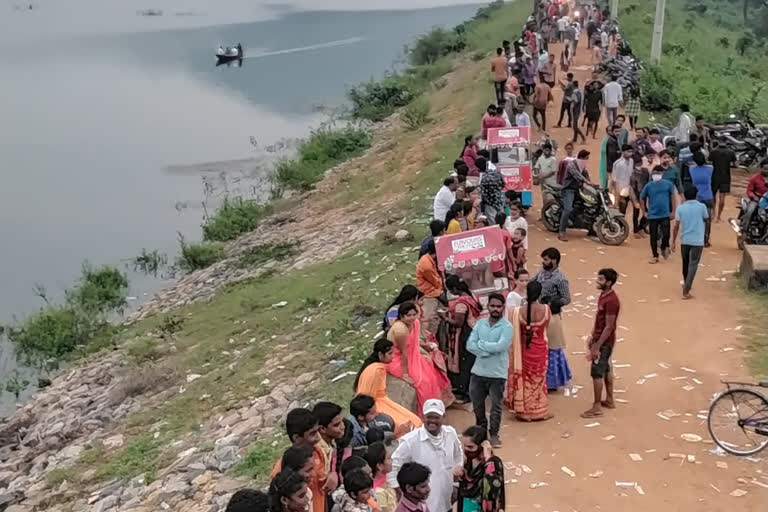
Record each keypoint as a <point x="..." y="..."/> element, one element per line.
<point x="512" y="145"/>
<point x="475" y="256"/>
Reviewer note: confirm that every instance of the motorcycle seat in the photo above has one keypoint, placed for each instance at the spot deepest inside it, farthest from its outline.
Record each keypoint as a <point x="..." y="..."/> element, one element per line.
<point x="554" y="186"/>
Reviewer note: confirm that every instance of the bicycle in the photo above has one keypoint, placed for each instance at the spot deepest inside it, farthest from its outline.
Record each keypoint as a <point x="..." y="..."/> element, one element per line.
<point x="741" y="413"/>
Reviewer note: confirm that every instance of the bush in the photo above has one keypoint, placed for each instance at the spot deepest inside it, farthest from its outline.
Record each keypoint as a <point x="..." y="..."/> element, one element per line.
<point x="233" y="219"/>
<point x="199" y="255"/>
<point x="437" y="43"/>
<point x="45" y="338"/>
<point x="376" y="100"/>
<point x="143" y="350"/>
<point x="325" y="147"/>
<point x="657" y="87"/>
<point x="416" y="114"/>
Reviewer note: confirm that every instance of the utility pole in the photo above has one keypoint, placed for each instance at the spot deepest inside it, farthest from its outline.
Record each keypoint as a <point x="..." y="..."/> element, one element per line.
<point x="658" y="31"/>
<point x="614" y="9"/>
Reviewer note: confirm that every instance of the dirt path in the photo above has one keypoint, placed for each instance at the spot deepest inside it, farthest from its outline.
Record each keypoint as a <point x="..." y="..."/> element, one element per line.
<point x="659" y="334"/>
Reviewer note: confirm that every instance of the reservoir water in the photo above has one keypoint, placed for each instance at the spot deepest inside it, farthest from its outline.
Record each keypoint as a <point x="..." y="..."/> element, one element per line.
<point x="117" y="131"/>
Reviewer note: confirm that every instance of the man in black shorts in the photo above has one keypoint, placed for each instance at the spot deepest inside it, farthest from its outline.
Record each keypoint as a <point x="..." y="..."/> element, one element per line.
<point x="601" y="343"/>
<point x="722" y="160"/>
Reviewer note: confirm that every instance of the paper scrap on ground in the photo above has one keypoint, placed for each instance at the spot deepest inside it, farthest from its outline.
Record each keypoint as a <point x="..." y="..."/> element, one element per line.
<point x="720" y="464"/>
<point x="539" y="484"/>
<point x="621" y="400"/>
<point x="609" y="438"/>
<point x="691" y="438"/>
<point x="639" y="490"/>
<point x="688" y="388"/>
<point x="689" y="370"/>
<point x="635" y="457"/>
<point x="567" y="471"/>
<point x="625" y="484"/>
<point x="591" y="425"/>
<point x="596" y="474"/>
<point x="526" y="469"/>
<point x="737" y="493"/>
<point x="662" y="416"/>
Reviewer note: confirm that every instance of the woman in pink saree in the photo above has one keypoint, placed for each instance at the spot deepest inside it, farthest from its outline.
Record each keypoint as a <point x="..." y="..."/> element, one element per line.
<point x="415" y="363"/>
<point x="527" y="377"/>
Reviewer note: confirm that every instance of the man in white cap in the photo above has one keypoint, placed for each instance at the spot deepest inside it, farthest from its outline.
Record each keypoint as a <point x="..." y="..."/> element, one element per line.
<point x="436" y="446"/>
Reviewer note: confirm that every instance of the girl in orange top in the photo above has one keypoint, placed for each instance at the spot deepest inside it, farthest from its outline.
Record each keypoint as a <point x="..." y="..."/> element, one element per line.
<point x="372" y="381"/>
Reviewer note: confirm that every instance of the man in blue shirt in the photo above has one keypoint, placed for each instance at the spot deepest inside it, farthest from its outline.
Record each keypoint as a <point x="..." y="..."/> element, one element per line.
<point x="701" y="177"/>
<point x="489" y="342"/>
<point x="659" y="195"/>
<point x="693" y="215"/>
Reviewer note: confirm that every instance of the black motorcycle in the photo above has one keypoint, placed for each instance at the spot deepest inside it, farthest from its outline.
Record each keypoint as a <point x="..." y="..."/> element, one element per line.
<point x="749" y="149"/>
<point x="757" y="231"/>
<point x="591" y="211"/>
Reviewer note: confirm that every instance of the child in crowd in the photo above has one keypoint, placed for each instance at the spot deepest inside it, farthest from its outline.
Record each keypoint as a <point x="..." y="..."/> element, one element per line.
<point x="379" y="460"/>
<point x="516" y="220"/>
<point x="299" y="459"/>
<point x="288" y="492"/>
<point x="352" y="464"/>
<point x="249" y="500"/>
<point x="356" y="495"/>
<point x="518" y="249"/>
<point x="331" y="423"/>
<point x="303" y="430"/>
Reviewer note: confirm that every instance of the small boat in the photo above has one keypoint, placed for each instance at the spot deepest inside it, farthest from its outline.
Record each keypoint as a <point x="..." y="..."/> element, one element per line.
<point x="229" y="54"/>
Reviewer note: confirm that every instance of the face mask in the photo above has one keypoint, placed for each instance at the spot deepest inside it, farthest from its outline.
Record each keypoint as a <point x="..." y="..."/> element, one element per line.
<point x="656" y="177"/>
<point x="472" y="454"/>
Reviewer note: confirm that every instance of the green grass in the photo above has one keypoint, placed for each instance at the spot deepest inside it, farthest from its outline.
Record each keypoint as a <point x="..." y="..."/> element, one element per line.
<point x="59" y="475"/>
<point x="257" y="464"/>
<point x="144" y="349"/>
<point x="143" y="455"/>
<point x="700" y="64"/>
<point x="755" y="330"/>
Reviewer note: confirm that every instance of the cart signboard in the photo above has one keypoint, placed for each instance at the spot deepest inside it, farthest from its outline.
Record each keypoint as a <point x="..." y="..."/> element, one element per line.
<point x="516" y="177"/>
<point x="512" y="147"/>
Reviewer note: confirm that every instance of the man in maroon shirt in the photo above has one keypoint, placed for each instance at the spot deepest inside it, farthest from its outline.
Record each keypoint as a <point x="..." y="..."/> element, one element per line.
<point x="755" y="189"/>
<point x="601" y="343"/>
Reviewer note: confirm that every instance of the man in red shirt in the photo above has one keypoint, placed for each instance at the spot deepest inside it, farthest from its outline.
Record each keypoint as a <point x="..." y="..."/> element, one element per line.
<point x="492" y="119"/>
<point x="755" y="190"/>
<point x="602" y="341"/>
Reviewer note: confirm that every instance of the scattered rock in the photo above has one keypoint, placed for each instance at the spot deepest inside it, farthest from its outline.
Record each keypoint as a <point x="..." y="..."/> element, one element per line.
<point x="403" y="235"/>
<point x="113" y="442"/>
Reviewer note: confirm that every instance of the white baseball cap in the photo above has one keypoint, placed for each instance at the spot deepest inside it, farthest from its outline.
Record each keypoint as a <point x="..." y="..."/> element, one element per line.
<point x="433" y="405"/>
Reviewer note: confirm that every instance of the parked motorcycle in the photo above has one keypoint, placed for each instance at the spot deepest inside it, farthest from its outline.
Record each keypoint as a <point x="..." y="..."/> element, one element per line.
<point x="757" y="231"/>
<point x="591" y="211"/>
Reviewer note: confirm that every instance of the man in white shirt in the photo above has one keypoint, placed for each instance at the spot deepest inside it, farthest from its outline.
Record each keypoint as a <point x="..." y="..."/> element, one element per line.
<point x="562" y="26"/>
<point x="622" y="172"/>
<point x="436" y="446"/>
<point x="612" y="97"/>
<point x="445" y="198"/>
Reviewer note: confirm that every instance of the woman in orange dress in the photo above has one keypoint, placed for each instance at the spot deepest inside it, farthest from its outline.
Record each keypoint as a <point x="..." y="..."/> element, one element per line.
<point x="412" y="365"/>
<point x="371" y="380"/>
<point x="527" y="378"/>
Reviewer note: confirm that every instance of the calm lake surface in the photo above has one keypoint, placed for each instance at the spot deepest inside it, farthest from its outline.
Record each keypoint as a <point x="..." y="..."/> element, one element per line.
<point x="118" y="130"/>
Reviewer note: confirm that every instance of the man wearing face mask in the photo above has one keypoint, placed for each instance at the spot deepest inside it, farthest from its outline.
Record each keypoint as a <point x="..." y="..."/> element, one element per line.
<point x="435" y="446"/>
<point x="575" y="177"/>
<point x="659" y="195"/>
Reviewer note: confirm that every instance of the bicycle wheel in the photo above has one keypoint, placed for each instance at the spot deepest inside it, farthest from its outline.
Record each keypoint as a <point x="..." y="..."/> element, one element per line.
<point x="738" y="420"/>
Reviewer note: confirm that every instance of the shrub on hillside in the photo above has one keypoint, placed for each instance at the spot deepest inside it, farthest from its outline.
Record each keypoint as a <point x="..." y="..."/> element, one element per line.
<point x="416" y="114"/>
<point x="376" y="100"/>
<point x="437" y="43"/>
<point x="657" y="86"/>
<point x="45" y="338"/>
<point x="325" y="147"/>
<point x="233" y="219"/>
<point x="198" y="255"/>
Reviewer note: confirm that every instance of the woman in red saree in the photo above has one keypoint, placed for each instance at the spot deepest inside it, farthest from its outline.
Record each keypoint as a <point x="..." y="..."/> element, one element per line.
<point x="463" y="312"/>
<point x="527" y="378"/>
<point x="411" y="364"/>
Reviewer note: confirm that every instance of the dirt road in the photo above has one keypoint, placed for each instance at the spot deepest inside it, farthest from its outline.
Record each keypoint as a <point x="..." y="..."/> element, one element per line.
<point x="669" y="360"/>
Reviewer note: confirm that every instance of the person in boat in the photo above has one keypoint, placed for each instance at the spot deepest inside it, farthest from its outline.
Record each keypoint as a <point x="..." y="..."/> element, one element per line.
<point x="220" y="51"/>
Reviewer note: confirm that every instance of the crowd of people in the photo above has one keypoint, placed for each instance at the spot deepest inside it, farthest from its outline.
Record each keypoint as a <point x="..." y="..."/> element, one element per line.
<point x="445" y="347"/>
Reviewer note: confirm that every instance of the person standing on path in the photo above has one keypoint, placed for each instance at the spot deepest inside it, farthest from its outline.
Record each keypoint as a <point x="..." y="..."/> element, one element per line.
<point x="701" y="176"/>
<point x="577" y="102"/>
<point x="723" y="159"/>
<point x="542" y="96"/>
<point x="593" y="100"/>
<point x="601" y="343"/>
<point x="499" y="74"/>
<point x="546" y="168"/>
<point x="622" y="174"/>
<point x="435" y="446"/>
<point x="573" y="180"/>
<point x="693" y="215"/>
<point x="565" y="106"/>
<point x="638" y="181"/>
<point x="612" y="153"/>
<point x="492" y="191"/>
<point x="612" y="98"/>
<point x="659" y="194"/>
<point x="556" y="293"/>
<point x="489" y="342"/>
